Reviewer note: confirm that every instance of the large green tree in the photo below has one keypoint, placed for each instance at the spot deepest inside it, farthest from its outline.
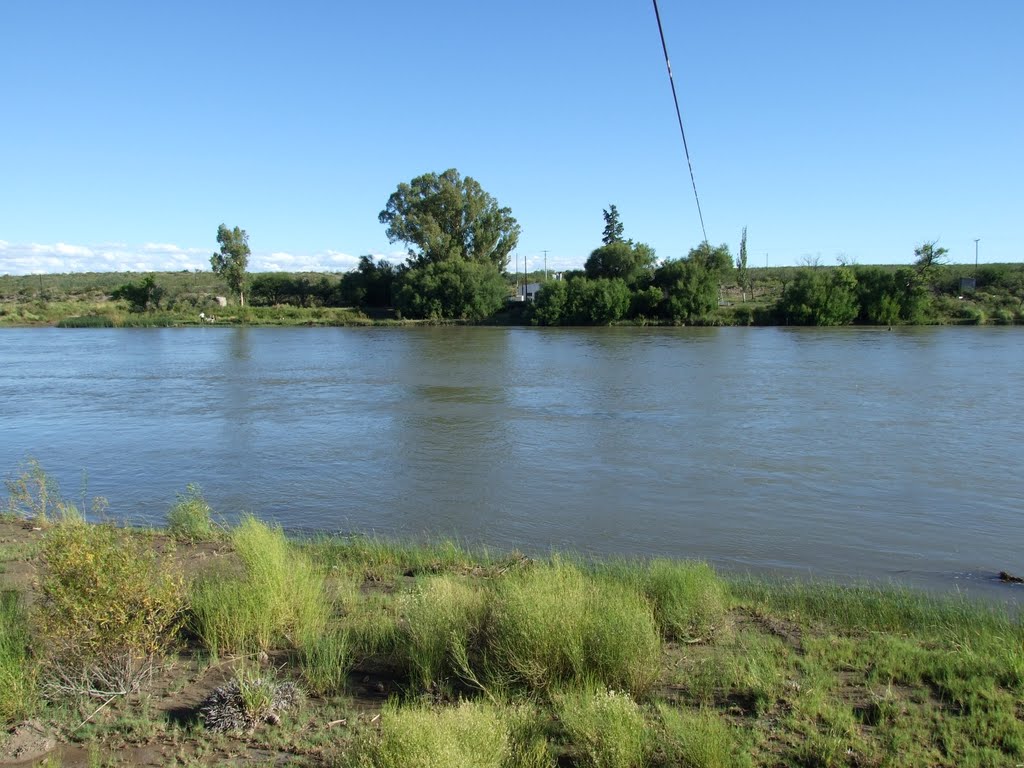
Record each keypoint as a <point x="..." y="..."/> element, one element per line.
<point x="232" y="260"/>
<point x="445" y="217"/>
<point x="627" y="261"/>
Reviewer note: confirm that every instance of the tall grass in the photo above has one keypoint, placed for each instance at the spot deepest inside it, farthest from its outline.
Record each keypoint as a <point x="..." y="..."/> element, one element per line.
<point x="18" y="695"/>
<point x="325" y="661"/>
<point x="278" y="601"/>
<point x="555" y="623"/>
<point x="442" y="618"/>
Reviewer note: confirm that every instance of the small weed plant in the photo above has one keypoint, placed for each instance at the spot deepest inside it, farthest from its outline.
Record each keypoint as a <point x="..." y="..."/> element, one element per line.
<point x="191" y="518"/>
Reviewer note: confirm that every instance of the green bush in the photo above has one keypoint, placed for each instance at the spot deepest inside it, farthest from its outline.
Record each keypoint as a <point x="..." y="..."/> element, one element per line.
<point x="108" y="607"/>
<point x="17" y="670"/>
<point x="555" y="623"/>
<point x="606" y="728"/>
<point x="190" y="519"/>
<point x="278" y="601"/>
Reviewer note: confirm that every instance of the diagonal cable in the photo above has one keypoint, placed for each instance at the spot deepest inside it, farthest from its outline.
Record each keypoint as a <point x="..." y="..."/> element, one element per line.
<point x="679" y="115"/>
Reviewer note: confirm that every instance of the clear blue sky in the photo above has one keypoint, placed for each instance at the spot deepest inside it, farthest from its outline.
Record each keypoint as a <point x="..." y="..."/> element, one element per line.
<point x="129" y="131"/>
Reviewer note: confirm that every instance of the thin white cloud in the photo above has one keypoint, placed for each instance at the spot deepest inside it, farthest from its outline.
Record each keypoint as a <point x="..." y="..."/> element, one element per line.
<point x="34" y="258"/>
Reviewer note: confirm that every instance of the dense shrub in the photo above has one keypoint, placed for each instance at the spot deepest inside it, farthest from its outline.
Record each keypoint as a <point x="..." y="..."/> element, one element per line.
<point x="109" y="606"/>
<point x="456" y="289"/>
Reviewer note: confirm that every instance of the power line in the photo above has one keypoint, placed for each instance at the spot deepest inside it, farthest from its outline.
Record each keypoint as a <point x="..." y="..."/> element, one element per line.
<point x="679" y="115"/>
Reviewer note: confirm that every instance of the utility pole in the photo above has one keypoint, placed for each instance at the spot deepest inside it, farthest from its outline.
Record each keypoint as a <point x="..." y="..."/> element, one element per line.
<point x="976" y="257"/>
<point x="545" y="266"/>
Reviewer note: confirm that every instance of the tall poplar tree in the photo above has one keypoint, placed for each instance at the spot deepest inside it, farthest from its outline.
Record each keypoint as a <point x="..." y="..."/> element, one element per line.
<point x="232" y="260"/>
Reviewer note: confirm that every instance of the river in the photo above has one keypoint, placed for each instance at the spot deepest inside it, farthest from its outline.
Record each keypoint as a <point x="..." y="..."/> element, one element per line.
<point x="840" y="453"/>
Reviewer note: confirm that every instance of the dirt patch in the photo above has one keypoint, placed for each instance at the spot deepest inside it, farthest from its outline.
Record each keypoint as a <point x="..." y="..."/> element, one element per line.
<point x="789" y="632"/>
<point x="27" y="743"/>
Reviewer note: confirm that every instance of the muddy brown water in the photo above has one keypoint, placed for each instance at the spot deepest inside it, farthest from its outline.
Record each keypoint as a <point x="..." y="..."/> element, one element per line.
<point x="842" y="453"/>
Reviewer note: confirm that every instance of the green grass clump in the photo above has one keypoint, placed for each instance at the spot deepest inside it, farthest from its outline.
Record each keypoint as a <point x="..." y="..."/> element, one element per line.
<point x="415" y="736"/>
<point x="557" y="623"/>
<point x="191" y="518"/>
<point x="441" y="619"/>
<point x="108" y="606"/>
<point x="86" y="321"/>
<point x="325" y="661"/>
<point x="279" y="601"/>
<point x="605" y="728"/>
<point x="699" y="739"/>
<point x="688" y="598"/>
<point x="18" y="695"/>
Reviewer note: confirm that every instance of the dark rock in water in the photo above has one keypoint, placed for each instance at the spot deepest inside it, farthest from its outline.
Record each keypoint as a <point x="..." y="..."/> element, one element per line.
<point x="1009" y="578"/>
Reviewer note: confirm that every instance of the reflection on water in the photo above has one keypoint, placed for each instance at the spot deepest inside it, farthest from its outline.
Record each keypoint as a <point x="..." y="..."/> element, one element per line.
<point x="855" y="453"/>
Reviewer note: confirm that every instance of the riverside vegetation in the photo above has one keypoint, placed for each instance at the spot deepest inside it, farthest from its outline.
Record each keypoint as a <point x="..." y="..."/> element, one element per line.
<point x="206" y="644"/>
<point x="459" y="242"/>
<point x="865" y="295"/>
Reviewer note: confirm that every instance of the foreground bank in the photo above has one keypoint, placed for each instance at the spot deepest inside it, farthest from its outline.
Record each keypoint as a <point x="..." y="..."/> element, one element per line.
<point x="202" y="644"/>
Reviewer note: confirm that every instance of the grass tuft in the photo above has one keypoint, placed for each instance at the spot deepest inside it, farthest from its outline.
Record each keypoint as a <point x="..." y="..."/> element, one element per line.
<point x="191" y="518"/>
<point x="325" y="661"/>
<point x="279" y="601"/>
<point x="442" y="618"/>
<point x="555" y="623"/>
<point x="605" y="728"/>
<point x="699" y="739"/>
<point x="417" y="736"/>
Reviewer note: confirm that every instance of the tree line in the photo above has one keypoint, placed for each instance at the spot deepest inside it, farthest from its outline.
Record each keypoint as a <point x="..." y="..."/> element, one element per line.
<point x="459" y="240"/>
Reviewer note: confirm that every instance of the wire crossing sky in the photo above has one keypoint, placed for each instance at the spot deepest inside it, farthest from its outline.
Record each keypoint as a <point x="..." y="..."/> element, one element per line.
<point x="679" y="117"/>
<point x="130" y="131"/>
